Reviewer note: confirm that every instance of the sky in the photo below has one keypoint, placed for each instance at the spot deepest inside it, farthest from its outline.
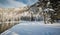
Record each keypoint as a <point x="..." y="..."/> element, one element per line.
<point x="15" y="3"/>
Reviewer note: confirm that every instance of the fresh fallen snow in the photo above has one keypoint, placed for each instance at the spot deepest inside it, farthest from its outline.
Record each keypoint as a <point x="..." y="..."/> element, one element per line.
<point x="34" y="28"/>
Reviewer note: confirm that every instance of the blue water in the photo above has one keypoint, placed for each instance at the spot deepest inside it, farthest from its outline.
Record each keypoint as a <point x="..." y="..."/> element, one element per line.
<point x="33" y="29"/>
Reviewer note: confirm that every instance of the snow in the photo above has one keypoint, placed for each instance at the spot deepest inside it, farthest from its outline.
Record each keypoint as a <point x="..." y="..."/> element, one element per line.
<point x="34" y="28"/>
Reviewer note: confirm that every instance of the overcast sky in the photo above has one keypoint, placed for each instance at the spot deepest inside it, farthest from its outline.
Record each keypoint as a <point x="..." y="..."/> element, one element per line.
<point x="15" y="3"/>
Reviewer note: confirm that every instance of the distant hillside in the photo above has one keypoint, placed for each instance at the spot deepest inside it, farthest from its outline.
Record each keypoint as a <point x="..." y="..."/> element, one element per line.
<point x="11" y="13"/>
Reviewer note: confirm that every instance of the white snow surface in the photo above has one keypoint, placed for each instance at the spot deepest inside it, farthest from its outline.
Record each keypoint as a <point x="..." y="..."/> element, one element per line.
<point x="34" y="28"/>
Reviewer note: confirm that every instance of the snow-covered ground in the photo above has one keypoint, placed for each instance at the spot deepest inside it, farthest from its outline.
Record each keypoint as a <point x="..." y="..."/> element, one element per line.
<point x="34" y="28"/>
